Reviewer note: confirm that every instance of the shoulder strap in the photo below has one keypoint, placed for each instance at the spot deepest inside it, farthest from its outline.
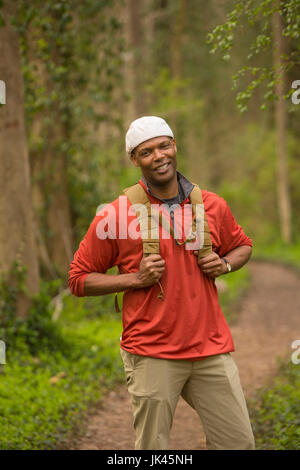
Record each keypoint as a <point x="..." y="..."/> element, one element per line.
<point x="149" y="231"/>
<point x="200" y="221"/>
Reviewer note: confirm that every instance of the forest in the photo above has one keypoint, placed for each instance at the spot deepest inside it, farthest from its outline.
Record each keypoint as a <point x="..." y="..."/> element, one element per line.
<point x="225" y="75"/>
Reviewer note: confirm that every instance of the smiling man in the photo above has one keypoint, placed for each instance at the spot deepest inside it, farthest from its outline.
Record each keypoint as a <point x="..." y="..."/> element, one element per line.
<point x="175" y="339"/>
<point x="157" y="160"/>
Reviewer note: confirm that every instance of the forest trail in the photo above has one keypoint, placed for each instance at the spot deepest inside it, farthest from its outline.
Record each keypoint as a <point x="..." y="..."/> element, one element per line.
<point x="268" y="323"/>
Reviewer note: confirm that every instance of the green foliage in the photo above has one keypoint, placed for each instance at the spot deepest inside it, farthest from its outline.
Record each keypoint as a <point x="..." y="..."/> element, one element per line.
<point x="170" y="96"/>
<point x="279" y="251"/>
<point x="59" y="59"/>
<point x="250" y="170"/>
<point x="176" y="101"/>
<point x="254" y="206"/>
<point x="70" y="82"/>
<point x="276" y="414"/>
<point x="37" y="331"/>
<point x="54" y="371"/>
<point x="10" y="287"/>
<point x="258" y="13"/>
<point x="232" y="290"/>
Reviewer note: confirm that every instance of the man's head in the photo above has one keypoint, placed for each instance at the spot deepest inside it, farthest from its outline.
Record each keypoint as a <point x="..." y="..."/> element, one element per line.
<point x="151" y="146"/>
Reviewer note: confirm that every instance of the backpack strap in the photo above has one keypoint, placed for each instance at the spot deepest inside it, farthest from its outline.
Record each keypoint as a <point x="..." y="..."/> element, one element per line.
<point x="149" y="231"/>
<point x="199" y="217"/>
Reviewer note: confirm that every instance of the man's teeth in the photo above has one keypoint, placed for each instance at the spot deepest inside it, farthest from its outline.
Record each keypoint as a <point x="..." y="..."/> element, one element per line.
<point x="163" y="167"/>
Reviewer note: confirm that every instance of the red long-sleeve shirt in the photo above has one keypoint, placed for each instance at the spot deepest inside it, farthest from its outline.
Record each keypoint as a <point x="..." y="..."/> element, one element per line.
<point x="188" y="323"/>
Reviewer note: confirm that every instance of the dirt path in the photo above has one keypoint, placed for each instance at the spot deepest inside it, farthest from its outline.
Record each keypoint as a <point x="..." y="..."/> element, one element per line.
<point x="268" y="323"/>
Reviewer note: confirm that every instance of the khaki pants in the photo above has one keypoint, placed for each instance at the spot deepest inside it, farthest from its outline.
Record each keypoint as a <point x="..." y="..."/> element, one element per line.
<point x="211" y="386"/>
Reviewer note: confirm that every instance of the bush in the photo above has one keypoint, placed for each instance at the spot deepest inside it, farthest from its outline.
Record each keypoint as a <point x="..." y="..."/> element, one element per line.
<point x="275" y="414"/>
<point x="54" y="370"/>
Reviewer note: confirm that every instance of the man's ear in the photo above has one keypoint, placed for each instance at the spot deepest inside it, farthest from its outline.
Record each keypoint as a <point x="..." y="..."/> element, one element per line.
<point x="175" y="146"/>
<point x="134" y="159"/>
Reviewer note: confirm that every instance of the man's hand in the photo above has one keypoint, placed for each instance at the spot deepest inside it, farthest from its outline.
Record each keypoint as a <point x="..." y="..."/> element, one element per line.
<point x="212" y="265"/>
<point x="151" y="270"/>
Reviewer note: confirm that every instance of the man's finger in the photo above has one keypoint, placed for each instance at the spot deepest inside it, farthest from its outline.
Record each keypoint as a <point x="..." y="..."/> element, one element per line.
<point x="208" y="259"/>
<point x="154" y="257"/>
<point x="160" y="262"/>
<point x="210" y="264"/>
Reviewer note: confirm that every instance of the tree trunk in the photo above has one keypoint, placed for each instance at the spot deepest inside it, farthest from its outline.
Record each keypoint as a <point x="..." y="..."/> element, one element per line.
<point x="60" y="240"/>
<point x="136" y="38"/>
<point x="17" y="236"/>
<point x="177" y="60"/>
<point x="283" y="195"/>
<point x="38" y="198"/>
<point x="178" y="37"/>
<point x="50" y="195"/>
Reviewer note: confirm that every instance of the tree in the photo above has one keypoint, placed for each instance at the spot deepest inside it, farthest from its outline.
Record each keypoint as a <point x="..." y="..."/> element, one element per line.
<point x="280" y="24"/>
<point x="69" y="83"/>
<point x="283" y="193"/>
<point x="17" y="234"/>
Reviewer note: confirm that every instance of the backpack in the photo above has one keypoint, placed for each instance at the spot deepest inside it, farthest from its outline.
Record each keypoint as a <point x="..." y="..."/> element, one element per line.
<point x="149" y="225"/>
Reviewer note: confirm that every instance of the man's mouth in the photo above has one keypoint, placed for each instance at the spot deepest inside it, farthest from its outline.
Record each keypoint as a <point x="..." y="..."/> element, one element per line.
<point x="162" y="168"/>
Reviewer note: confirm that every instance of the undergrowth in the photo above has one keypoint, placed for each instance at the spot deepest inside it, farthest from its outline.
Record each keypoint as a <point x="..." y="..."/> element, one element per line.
<point x="275" y="413"/>
<point x="54" y="370"/>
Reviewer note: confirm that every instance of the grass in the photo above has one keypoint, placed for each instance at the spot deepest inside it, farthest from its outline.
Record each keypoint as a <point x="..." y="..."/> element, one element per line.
<point x="53" y="376"/>
<point x="275" y="412"/>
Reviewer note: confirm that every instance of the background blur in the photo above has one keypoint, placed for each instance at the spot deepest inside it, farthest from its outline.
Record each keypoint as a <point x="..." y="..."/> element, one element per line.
<point x="224" y="75"/>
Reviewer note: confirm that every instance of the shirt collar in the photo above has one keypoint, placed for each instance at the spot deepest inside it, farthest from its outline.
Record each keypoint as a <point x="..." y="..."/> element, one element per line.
<point x="184" y="187"/>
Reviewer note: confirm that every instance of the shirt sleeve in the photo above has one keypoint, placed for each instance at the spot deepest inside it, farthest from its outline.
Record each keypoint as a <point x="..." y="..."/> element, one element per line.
<point x="231" y="234"/>
<point x="94" y="254"/>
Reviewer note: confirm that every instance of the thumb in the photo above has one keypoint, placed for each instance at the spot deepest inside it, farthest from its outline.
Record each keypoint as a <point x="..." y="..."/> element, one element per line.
<point x="196" y="252"/>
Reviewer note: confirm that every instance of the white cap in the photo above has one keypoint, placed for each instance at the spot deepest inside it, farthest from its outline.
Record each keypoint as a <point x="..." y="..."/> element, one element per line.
<point x="146" y="128"/>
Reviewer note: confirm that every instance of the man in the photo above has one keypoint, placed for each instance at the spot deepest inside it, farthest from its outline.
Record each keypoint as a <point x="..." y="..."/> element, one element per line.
<point x="175" y="339"/>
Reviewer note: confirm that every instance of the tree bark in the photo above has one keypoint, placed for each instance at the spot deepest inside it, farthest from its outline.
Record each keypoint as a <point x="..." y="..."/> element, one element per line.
<point x="283" y="194"/>
<point x="17" y="237"/>
<point x="50" y="195"/>
<point x="136" y="38"/>
<point x="178" y="35"/>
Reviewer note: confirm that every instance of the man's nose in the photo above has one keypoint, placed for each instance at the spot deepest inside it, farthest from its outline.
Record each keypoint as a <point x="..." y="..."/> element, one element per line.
<point x="158" y="153"/>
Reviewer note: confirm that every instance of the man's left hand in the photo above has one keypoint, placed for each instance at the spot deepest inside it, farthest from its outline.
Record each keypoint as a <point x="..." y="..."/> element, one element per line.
<point x="212" y="265"/>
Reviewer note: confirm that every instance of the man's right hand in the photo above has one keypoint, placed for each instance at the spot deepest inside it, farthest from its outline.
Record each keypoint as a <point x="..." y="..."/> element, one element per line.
<point x="151" y="270"/>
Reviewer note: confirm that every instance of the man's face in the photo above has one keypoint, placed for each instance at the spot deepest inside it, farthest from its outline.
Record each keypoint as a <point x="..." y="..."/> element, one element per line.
<point x="157" y="159"/>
